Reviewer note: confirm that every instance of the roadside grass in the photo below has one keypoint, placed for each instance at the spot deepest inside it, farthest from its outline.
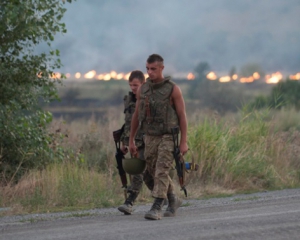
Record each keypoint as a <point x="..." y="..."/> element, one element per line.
<point x="236" y="153"/>
<point x="61" y="187"/>
<point x="245" y="153"/>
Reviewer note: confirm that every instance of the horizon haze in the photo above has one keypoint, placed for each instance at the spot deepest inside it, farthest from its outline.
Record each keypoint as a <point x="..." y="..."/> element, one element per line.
<point x="120" y="35"/>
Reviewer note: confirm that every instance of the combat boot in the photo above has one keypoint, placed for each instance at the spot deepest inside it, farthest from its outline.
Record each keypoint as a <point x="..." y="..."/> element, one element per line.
<point x="166" y="202"/>
<point x="126" y="208"/>
<point x="155" y="211"/>
<point x="174" y="203"/>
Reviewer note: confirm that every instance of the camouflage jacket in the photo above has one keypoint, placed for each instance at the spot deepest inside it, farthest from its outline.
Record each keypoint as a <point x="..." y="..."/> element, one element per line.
<point x="129" y="108"/>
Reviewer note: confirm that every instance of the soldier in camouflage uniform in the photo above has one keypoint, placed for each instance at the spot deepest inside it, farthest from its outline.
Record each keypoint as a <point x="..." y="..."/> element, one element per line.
<point x="159" y="107"/>
<point x="136" y="79"/>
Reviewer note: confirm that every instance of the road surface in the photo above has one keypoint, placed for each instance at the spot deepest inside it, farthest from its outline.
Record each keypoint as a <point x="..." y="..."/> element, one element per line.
<point x="267" y="215"/>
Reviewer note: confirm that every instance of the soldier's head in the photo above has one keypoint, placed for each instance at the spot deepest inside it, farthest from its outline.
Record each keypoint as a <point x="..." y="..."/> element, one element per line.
<point x="155" y="67"/>
<point x="136" y="79"/>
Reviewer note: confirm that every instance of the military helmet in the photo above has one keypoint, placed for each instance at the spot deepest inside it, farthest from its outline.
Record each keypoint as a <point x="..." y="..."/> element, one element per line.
<point x="133" y="165"/>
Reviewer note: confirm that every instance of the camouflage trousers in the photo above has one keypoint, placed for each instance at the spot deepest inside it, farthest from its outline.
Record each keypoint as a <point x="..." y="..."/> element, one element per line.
<point x="137" y="180"/>
<point x="159" y="160"/>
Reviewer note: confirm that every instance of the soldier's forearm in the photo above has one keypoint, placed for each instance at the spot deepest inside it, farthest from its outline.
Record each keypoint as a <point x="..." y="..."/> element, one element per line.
<point x="183" y="130"/>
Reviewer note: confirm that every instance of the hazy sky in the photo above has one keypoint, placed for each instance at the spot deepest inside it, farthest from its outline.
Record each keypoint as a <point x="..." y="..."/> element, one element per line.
<point x="119" y="35"/>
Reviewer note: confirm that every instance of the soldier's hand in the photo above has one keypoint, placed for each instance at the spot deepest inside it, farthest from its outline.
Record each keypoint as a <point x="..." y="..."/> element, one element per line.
<point x="183" y="148"/>
<point x="132" y="149"/>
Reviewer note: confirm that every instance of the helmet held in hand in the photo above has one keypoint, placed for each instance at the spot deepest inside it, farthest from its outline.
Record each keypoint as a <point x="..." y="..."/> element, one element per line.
<point x="134" y="165"/>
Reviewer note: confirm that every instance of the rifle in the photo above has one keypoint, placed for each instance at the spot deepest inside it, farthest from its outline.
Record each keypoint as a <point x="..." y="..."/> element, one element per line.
<point x="179" y="161"/>
<point x="119" y="157"/>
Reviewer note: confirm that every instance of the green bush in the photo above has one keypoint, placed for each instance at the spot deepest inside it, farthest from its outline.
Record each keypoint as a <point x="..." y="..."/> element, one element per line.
<point x="284" y="94"/>
<point x="24" y="142"/>
<point x="26" y="78"/>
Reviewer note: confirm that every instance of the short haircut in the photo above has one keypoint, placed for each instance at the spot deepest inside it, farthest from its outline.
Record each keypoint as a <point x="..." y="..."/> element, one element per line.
<point x="155" y="58"/>
<point x="137" y="74"/>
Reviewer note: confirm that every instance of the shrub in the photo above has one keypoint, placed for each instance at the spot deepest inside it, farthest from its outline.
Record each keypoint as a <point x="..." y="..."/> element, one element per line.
<point x="26" y="78"/>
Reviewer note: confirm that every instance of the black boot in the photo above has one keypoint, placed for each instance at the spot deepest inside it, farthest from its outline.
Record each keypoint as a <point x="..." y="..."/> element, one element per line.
<point x="126" y="208"/>
<point x="155" y="211"/>
<point x="174" y="203"/>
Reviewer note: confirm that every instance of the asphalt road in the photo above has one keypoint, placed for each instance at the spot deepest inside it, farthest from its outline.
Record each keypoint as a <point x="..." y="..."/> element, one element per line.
<point x="268" y="215"/>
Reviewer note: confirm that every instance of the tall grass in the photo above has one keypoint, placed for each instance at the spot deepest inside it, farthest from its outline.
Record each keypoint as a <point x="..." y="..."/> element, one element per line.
<point x="244" y="153"/>
<point x="63" y="186"/>
<point x="241" y="152"/>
